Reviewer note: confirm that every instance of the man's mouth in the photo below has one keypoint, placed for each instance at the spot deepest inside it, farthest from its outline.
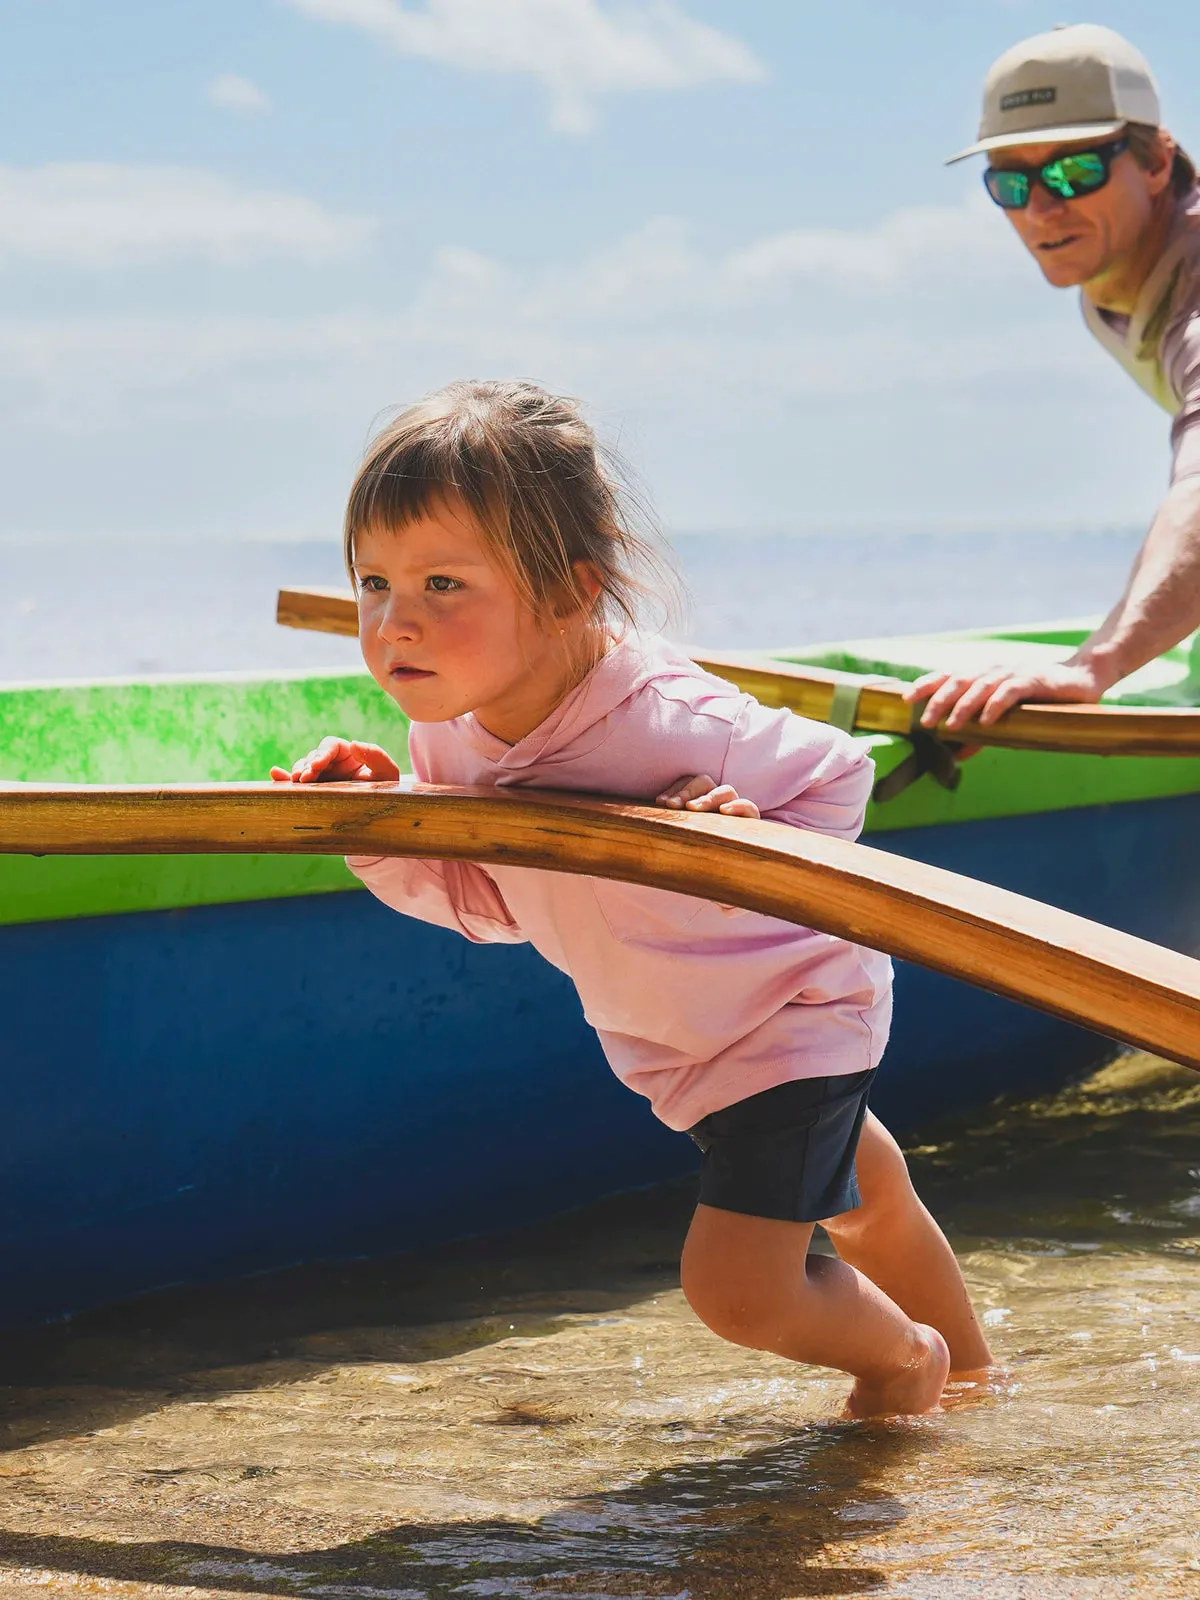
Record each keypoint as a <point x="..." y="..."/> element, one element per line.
<point x="1059" y="244"/>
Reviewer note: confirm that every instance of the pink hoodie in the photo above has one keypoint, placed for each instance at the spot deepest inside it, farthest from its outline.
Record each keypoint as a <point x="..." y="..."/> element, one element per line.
<point x="696" y="1005"/>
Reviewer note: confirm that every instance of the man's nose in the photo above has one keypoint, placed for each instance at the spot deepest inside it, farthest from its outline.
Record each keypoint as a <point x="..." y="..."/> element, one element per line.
<point x="1044" y="202"/>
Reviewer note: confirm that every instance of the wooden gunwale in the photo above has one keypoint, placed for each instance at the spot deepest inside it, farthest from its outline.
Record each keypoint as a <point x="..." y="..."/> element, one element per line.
<point x="1111" y="982"/>
<point x="1068" y="729"/>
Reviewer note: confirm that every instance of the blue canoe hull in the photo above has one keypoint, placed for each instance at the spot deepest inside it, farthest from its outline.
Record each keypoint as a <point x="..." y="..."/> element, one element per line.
<point x="201" y="1093"/>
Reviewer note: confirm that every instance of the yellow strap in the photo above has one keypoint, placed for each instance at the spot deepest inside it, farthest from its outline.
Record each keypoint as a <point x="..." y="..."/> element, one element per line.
<point x="843" y="713"/>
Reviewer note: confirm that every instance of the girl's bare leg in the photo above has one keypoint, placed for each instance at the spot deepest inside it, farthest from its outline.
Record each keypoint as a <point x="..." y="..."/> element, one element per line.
<point x="894" y="1241"/>
<point x="752" y="1281"/>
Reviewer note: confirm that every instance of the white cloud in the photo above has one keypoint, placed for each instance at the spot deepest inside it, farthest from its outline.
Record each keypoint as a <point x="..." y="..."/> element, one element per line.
<point x="811" y="377"/>
<point x="92" y="214"/>
<point x="233" y="93"/>
<point x="799" y="313"/>
<point x="578" y="49"/>
<point x="660" y="271"/>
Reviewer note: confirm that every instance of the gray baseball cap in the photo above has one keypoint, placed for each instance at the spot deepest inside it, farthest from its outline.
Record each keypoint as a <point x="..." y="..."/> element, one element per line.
<point x="1079" y="82"/>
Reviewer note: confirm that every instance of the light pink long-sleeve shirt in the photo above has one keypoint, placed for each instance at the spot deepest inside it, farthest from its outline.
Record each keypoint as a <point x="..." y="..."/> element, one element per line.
<point x="696" y="1005"/>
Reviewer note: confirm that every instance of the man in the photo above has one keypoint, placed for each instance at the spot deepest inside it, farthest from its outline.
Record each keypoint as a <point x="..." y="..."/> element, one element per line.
<point x="1104" y="200"/>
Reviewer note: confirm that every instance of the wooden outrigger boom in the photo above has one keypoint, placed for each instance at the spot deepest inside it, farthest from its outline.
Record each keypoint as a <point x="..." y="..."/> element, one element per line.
<point x="870" y="706"/>
<point x="1078" y="970"/>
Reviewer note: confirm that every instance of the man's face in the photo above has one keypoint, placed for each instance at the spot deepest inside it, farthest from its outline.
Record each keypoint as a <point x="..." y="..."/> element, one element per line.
<point x="1075" y="241"/>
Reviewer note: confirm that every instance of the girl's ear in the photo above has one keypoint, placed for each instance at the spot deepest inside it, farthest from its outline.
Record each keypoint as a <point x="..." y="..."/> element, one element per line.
<point x="578" y="603"/>
<point x="588" y="580"/>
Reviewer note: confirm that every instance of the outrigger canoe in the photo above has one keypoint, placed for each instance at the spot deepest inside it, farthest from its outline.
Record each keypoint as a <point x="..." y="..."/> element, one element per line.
<point x="220" y="1064"/>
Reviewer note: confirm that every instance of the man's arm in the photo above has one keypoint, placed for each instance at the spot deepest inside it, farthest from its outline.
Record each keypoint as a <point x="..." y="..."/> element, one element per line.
<point x="1160" y="606"/>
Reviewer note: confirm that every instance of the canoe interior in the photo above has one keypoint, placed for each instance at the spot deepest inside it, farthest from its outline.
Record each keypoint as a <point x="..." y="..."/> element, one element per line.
<point x="1007" y="783"/>
<point x="216" y="729"/>
<point x="217" y="1065"/>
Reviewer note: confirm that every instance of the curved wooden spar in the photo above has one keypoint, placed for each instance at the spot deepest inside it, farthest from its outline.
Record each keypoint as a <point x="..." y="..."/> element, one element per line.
<point x="881" y="707"/>
<point x="1111" y="982"/>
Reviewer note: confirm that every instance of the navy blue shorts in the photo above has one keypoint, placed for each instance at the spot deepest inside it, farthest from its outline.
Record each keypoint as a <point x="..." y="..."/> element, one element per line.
<point x="788" y="1152"/>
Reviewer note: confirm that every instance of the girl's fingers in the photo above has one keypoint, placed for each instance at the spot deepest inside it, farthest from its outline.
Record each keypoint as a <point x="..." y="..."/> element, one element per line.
<point x="684" y="790"/>
<point x="376" y="761"/>
<point x="741" y="808"/>
<point x="336" y="760"/>
<point x="307" y="765"/>
<point x="714" y="799"/>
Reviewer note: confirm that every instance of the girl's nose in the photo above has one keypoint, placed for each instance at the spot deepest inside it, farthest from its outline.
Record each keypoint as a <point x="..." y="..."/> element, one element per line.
<point x="397" y="625"/>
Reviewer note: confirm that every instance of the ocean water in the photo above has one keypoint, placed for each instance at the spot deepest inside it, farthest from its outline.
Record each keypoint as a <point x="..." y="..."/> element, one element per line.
<point x="541" y="1417"/>
<point x="74" y="609"/>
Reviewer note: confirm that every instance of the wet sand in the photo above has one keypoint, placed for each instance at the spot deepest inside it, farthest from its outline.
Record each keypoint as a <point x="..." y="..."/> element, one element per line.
<point x="541" y="1416"/>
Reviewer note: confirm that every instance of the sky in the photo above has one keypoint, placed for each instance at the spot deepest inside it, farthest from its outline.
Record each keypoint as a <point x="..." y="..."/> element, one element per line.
<point x="236" y="234"/>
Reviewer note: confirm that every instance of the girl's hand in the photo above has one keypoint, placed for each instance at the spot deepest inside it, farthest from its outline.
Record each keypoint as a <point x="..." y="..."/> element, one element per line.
<point x="339" y="761"/>
<point x="702" y="794"/>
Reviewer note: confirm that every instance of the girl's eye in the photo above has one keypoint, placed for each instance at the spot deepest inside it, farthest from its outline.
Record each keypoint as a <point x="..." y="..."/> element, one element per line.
<point x="373" y="583"/>
<point x="441" y="584"/>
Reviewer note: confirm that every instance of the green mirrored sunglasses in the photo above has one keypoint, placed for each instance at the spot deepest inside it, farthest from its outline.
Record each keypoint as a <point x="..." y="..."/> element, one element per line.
<point x="1067" y="177"/>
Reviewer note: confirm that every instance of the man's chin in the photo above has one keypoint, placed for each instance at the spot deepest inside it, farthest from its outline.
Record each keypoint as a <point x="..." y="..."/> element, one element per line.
<point x="1065" y="271"/>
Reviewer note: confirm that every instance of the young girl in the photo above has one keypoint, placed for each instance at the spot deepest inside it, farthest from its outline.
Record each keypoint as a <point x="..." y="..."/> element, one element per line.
<point x="495" y="571"/>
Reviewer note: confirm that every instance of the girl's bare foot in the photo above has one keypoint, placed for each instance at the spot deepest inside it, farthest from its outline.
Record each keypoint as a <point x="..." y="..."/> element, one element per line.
<point x="913" y="1390"/>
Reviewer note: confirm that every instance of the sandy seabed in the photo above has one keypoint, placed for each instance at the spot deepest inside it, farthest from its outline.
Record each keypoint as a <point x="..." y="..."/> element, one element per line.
<point x="540" y="1416"/>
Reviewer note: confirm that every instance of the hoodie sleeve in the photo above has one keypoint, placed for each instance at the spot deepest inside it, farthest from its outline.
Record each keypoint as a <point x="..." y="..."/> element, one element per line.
<point x="453" y="894"/>
<point x="799" y="772"/>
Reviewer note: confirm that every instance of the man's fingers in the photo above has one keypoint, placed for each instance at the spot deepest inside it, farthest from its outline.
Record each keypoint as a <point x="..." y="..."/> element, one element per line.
<point x="973" y="699"/>
<point x="959" y="697"/>
<point x="1006" y="696"/>
<point x="943" y="701"/>
<point x="924" y="686"/>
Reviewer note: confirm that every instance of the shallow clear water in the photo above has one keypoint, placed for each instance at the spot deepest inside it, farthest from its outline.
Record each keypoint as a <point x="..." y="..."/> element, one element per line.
<point x="541" y="1416"/>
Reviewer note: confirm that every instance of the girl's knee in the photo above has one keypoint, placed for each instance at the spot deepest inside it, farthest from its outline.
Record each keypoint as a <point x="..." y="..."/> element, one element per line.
<point x="734" y="1312"/>
<point x="742" y="1278"/>
<point x="883" y="1181"/>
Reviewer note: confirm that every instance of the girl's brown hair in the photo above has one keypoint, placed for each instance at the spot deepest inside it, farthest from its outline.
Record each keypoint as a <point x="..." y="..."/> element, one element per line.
<point x="529" y="471"/>
<point x="1144" y="145"/>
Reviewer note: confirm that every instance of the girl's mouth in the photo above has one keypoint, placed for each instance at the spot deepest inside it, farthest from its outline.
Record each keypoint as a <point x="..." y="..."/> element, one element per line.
<point x="404" y="674"/>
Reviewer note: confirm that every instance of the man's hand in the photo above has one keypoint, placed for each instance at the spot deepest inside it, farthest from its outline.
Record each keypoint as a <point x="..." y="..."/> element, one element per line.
<point x="702" y="794"/>
<point x="339" y="761"/>
<point x="958" y="698"/>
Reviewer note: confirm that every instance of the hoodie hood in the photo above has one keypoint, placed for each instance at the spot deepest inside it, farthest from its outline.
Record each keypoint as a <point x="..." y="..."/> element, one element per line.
<point x="578" y="724"/>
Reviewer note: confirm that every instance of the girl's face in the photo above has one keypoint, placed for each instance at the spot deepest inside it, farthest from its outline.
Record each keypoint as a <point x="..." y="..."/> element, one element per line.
<point x="444" y="631"/>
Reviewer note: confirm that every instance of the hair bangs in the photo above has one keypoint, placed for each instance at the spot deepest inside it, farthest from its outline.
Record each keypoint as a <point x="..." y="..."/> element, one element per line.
<point x="528" y="471"/>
